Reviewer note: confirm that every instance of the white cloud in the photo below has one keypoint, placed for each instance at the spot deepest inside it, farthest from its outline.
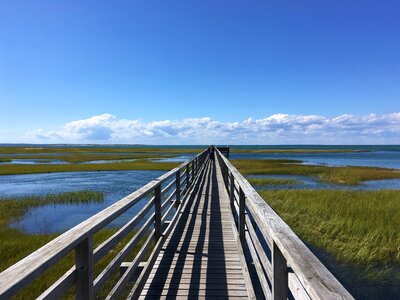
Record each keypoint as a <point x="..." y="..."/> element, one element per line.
<point x="274" y="129"/>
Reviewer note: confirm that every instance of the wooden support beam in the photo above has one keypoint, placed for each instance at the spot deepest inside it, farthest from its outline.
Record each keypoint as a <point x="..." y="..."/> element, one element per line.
<point x="157" y="212"/>
<point x="177" y="188"/>
<point x="279" y="275"/>
<point x="242" y="206"/>
<point x="84" y="269"/>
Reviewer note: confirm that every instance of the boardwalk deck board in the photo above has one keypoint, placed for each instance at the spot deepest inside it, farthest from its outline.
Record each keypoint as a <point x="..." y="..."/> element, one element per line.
<point x="201" y="257"/>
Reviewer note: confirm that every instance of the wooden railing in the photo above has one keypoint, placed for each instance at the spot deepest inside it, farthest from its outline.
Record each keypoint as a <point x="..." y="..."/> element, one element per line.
<point x="166" y="193"/>
<point x="282" y="263"/>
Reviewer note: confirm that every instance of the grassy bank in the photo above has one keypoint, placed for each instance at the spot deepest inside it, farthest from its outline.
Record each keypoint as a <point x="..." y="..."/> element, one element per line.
<point x="339" y="175"/>
<point x="295" y="151"/>
<point x="51" y="168"/>
<point x="49" y="149"/>
<point x="271" y="181"/>
<point x="353" y="226"/>
<point x="15" y="244"/>
<point x="354" y="233"/>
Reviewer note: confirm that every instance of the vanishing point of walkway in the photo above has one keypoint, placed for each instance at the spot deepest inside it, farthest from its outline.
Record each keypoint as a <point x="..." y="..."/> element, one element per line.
<point x="201" y="257"/>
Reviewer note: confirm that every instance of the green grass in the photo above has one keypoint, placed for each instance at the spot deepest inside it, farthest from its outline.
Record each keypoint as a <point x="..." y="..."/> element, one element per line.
<point x="85" y="157"/>
<point x="98" y="150"/>
<point x="51" y="168"/>
<point x="15" y="244"/>
<point x="299" y="151"/>
<point x="338" y="175"/>
<point x="5" y="159"/>
<point x="271" y="181"/>
<point x="354" y="226"/>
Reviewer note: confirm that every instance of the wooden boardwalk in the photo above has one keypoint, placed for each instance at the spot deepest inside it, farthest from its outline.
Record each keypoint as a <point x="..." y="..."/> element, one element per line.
<point x="203" y="232"/>
<point x="201" y="258"/>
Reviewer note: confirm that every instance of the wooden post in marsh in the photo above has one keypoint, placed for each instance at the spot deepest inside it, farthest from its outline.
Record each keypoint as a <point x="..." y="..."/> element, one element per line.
<point x="84" y="269"/>
<point x="242" y="224"/>
<point x="157" y="212"/>
<point x="280" y="275"/>
<point x="177" y="188"/>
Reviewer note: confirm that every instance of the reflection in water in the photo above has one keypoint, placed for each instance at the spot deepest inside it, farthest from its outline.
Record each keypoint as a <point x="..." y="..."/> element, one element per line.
<point x="58" y="218"/>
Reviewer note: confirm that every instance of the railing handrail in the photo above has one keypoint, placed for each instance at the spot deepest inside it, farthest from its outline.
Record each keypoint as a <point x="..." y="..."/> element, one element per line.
<point x="314" y="277"/>
<point x="26" y="270"/>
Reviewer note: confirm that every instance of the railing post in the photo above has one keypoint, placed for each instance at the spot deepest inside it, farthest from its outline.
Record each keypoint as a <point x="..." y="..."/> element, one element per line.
<point x="192" y="171"/>
<point x="241" y="215"/>
<point x="177" y="188"/>
<point x="279" y="275"/>
<point x="84" y="269"/>
<point x="157" y="212"/>
<point x="187" y="177"/>
<point x="232" y="192"/>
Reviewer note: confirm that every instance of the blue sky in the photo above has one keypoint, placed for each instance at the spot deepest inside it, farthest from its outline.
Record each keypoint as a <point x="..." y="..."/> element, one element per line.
<point x="104" y="64"/>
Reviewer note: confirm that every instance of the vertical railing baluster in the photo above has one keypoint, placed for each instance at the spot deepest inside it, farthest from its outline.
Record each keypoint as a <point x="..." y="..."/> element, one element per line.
<point x="177" y="188"/>
<point x="232" y="192"/>
<point x="191" y="181"/>
<point x="187" y="177"/>
<point x="157" y="212"/>
<point x="279" y="275"/>
<point x="242" y="225"/>
<point x="84" y="269"/>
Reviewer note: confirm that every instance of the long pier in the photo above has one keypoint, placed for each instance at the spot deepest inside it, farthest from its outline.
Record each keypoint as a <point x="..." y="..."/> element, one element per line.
<point x="203" y="232"/>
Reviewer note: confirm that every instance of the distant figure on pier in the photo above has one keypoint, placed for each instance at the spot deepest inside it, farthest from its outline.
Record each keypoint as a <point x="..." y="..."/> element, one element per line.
<point x="211" y="152"/>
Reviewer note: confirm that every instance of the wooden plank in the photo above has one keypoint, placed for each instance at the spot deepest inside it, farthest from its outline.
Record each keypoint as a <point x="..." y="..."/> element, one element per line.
<point x="313" y="275"/>
<point x="185" y="250"/>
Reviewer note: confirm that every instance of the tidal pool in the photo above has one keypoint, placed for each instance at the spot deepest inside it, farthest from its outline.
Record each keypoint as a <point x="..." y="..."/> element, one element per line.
<point x="59" y="218"/>
<point x="308" y="182"/>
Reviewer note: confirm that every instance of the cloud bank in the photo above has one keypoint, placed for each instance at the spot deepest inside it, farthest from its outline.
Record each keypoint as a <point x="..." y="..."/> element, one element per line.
<point x="274" y="129"/>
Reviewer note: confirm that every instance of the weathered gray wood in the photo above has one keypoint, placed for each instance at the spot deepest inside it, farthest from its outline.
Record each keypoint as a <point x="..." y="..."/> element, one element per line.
<point x="178" y="189"/>
<point x="118" y="259"/>
<point x="279" y="275"/>
<point x="22" y="273"/>
<point x="167" y="188"/>
<point x="182" y="258"/>
<point x="312" y="274"/>
<point x="60" y="287"/>
<point x="157" y="212"/>
<point x="126" y="265"/>
<point x="84" y="269"/>
<point x="187" y="176"/>
<point x="265" y="263"/>
<point x="112" y="241"/>
<point x="259" y="267"/>
<point x="232" y="191"/>
<point x="242" y="223"/>
<point x="117" y="289"/>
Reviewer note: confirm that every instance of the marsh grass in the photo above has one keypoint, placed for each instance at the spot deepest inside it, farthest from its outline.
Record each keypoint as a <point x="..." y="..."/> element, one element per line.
<point x="8" y="169"/>
<point x="271" y="181"/>
<point x="359" y="227"/>
<point x="340" y="175"/>
<point x="15" y="244"/>
<point x="297" y="151"/>
<point x="5" y="159"/>
<point x="99" y="150"/>
<point x="85" y="157"/>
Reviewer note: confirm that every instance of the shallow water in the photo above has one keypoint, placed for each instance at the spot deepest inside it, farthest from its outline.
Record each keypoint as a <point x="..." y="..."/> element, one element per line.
<point x="383" y="159"/>
<point x="117" y="184"/>
<point x="308" y="182"/>
<point x="58" y="218"/>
